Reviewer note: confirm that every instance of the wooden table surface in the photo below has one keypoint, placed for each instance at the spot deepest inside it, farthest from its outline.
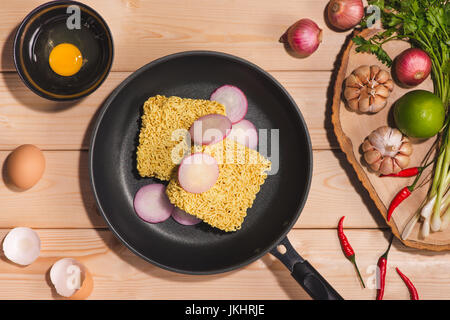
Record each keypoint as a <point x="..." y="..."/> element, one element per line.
<point x="61" y="207"/>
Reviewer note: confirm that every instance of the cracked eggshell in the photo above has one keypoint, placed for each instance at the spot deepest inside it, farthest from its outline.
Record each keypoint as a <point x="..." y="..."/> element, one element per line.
<point x="71" y="279"/>
<point x="22" y="245"/>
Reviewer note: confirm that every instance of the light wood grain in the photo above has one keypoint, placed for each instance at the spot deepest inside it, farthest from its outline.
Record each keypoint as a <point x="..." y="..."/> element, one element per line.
<point x="63" y="197"/>
<point x="145" y="30"/>
<point x="28" y="118"/>
<point x="61" y="205"/>
<point x="119" y="274"/>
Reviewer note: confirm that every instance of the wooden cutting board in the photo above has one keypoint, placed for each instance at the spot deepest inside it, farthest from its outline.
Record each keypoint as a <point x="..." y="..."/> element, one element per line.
<point x="352" y="128"/>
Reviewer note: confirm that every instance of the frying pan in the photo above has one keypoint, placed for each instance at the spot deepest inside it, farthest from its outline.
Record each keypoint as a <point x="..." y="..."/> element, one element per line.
<point x="201" y="249"/>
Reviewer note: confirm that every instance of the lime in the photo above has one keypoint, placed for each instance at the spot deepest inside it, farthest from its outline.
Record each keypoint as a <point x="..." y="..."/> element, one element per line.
<point x="419" y="114"/>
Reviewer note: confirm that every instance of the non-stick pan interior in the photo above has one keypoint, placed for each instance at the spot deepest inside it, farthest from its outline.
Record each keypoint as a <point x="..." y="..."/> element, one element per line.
<point x="201" y="248"/>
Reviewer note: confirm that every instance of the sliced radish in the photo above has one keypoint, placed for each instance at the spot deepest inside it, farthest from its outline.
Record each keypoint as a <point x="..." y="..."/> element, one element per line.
<point x="22" y="246"/>
<point x="184" y="218"/>
<point x="198" y="172"/>
<point x="244" y="132"/>
<point x="210" y="129"/>
<point x="71" y="279"/>
<point x="233" y="99"/>
<point x="152" y="204"/>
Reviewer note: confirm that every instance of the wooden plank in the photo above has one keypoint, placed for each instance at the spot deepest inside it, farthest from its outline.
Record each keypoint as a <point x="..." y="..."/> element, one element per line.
<point x="63" y="198"/>
<point x="146" y="30"/>
<point x="28" y="118"/>
<point x="119" y="274"/>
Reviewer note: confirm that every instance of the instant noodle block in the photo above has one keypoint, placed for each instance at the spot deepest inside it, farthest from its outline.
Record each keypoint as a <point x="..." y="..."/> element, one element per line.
<point x="161" y="143"/>
<point x="242" y="171"/>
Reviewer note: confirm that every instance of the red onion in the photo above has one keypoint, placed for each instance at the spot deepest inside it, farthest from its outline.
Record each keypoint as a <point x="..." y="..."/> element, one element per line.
<point x="412" y="67"/>
<point x="303" y="37"/>
<point x="345" y="14"/>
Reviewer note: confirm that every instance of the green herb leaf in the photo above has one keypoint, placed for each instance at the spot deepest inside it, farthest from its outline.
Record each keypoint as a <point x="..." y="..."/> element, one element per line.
<point x="369" y="47"/>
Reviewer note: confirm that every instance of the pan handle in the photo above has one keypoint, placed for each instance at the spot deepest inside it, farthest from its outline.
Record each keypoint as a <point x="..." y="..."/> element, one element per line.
<point x="305" y="274"/>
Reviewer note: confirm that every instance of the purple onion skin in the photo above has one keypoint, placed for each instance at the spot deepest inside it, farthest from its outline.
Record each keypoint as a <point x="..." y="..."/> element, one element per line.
<point x="345" y="14"/>
<point x="303" y="37"/>
<point x="412" y="67"/>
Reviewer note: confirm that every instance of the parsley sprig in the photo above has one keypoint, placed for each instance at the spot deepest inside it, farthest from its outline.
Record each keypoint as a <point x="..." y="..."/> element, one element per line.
<point x="424" y="23"/>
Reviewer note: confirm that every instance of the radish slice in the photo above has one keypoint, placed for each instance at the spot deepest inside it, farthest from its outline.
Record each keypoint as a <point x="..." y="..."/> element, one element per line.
<point x="210" y="129"/>
<point x="198" y="172"/>
<point x="244" y="132"/>
<point x="152" y="204"/>
<point x="22" y="246"/>
<point x="71" y="279"/>
<point x="234" y="101"/>
<point x="184" y="218"/>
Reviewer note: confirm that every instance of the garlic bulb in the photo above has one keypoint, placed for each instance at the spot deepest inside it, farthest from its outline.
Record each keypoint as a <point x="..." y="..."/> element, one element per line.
<point x="367" y="89"/>
<point x="387" y="150"/>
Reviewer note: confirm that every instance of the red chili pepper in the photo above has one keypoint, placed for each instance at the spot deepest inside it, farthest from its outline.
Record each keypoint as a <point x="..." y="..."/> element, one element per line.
<point x="399" y="198"/>
<point x="409" y="172"/>
<point x="382" y="267"/>
<point x="404" y="193"/>
<point x="347" y="248"/>
<point x="409" y="284"/>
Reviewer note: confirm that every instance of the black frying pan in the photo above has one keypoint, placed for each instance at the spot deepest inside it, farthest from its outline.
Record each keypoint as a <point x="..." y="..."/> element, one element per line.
<point x="202" y="249"/>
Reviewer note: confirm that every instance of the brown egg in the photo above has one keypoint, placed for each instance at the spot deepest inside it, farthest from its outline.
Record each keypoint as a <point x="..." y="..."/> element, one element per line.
<point x="25" y="166"/>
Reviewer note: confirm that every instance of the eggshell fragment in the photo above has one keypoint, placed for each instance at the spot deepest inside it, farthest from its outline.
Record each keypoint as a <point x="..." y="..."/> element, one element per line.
<point x="71" y="279"/>
<point x="25" y="166"/>
<point x="22" y="246"/>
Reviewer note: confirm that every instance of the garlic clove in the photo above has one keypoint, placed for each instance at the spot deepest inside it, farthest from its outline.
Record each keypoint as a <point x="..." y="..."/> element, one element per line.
<point x="351" y="93"/>
<point x="372" y="156"/>
<point x="382" y="76"/>
<point x="387" y="166"/>
<point x="378" y="138"/>
<point x="363" y="73"/>
<point x="367" y="146"/>
<point x="374" y="70"/>
<point x="389" y="84"/>
<point x="376" y="165"/>
<point x="372" y="84"/>
<point x="364" y="101"/>
<point x="353" y="82"/>
<point x="382" y="91"/>
<point x="402" y="160"/>
<point x="383" y="131"/>
<point x="397" y="137"/>
<point x="378" y="104"/>
<point x="353" y="104"/>
<point x="397" y="168"/>
<point x="405" y="149"/>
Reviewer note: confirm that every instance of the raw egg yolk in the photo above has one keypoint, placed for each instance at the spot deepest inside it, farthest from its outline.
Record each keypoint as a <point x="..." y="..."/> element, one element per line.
<point x="65" y="59"/>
